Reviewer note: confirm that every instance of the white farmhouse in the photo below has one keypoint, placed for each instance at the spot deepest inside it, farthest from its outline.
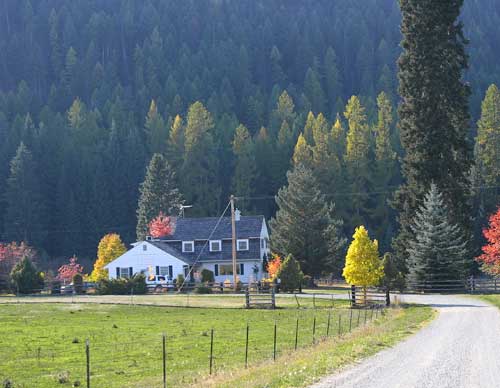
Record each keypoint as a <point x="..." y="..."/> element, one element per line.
<point x="199" y="243"/>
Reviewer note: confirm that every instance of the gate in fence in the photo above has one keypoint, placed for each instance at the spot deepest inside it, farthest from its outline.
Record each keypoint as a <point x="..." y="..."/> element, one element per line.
<point x="260" y="298"/>
<point x="368" y="297"/>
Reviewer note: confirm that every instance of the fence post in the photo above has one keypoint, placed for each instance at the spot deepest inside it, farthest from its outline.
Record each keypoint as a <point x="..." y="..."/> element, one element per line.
<point x="274" y="348"/>
<point x="164" y="360"/>
<point x="328" y="324"/>
<point x="314" y="300"/>
<point x="211" y="348"/>
<point x="296" y="333"/>
<point x="314" y="329"/>
<point x="273" y="298"/>
<point x="387" y="297"/>
<point x="353" y="295"/>
<point x="333" y="303"/>
<point x="87" y="354"/>
<point x="246" y="348"/>
<point x="247" y="298"/>
<point x="350" y="320"/>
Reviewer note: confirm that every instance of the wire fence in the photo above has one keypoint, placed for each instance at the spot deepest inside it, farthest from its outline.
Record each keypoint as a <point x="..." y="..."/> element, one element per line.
<point x="183" y="354"/>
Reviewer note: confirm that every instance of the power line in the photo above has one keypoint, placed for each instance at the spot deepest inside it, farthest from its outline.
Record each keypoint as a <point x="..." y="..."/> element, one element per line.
<point x="363" y="193"/>
<point x="205" y="245"/>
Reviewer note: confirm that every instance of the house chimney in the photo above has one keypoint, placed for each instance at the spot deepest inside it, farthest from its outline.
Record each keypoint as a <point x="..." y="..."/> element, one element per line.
<point x="237" y="215"/>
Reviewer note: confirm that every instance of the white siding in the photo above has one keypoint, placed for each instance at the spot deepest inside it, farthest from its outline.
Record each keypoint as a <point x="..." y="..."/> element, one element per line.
<point x="144" y="260"/>
<point x="245" y="278"/>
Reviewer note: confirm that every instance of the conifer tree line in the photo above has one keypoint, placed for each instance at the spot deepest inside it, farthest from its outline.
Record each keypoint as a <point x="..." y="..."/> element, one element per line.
<point x="227" y="97"/>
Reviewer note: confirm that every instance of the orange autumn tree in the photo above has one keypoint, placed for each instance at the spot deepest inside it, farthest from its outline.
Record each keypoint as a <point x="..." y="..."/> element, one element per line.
<point x="161" y="226"/>
<point x="490" y="258"/>
<point x="273" y="266"/>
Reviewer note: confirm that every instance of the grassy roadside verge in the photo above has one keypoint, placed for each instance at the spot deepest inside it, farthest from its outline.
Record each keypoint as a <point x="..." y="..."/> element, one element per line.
<point x="306" y="366"/>
<point x="493" y="299"/>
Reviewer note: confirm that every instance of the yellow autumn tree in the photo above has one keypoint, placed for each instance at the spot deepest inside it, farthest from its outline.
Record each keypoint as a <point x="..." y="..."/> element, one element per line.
<point x="363" y="266"/>
<point x="110" y="247"/>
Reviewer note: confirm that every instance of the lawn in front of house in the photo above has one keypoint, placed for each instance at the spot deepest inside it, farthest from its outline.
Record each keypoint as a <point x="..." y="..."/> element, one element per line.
<point x="43" y="344"/>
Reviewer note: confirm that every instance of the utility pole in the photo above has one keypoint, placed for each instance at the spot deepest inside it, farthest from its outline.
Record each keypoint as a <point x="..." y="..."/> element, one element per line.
<point x="233" y="241"/>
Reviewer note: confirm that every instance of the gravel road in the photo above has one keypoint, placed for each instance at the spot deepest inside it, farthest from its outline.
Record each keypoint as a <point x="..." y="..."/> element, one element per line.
<point x="459" y="349"/>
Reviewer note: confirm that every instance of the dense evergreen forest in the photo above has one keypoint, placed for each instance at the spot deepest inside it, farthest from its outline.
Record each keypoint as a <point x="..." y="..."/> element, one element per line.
<point x="232" y="93"/>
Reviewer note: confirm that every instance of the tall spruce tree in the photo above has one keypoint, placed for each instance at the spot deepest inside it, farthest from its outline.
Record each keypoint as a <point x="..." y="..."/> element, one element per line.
<point x="305" y="225"/>
<point x="434" y="117"/>
<point x="199" y="171"/>
<point x="357" y="160"/>
<point x="438" y="250"/>
<point x="24" y="210"/>
<point x="244" y="176"/>
<point x="158" y="193"/>
<point x="156" y="129"/>
<point x="385" y="172"/>
<point x="487" y="151"/>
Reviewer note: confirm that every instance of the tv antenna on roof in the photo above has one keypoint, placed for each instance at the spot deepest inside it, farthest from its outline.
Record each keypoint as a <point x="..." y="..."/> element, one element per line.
<point x="182" y="207"/>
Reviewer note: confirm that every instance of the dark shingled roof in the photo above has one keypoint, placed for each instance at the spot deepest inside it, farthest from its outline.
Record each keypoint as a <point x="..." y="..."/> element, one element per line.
<point x="165" y="247"/>
<point x="187" y="229"/>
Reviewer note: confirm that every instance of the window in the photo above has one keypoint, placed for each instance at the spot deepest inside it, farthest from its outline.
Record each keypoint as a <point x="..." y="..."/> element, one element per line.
<point x="242" y="245"/>
<point x="215" y="246"/>
<point x="124" y="272"/>
<point x="186" y="270"/>
<point x="227" y="269"/>
<point x="166" y="271"/>
<point x="188" y="246"/>
<point x="263" y="243"/>
<point x="144" y="247"/>
<point x="242" y="269"/>
<point x="216" y="269"/>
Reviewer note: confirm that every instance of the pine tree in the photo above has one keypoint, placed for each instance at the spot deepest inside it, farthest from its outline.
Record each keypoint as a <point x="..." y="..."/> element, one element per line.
<point x="24" y="210"/>
<point x="244" y="176"/>
<point x="339" y="138"/>
<point x="301" y="222"/>
<point x="309" y="127"/>
<point x="158" y="193"/>
<point x="358" y="162"/>
<point x="385" y="172"/>
<point x="302" y="153"/>
<point x="434" y="117"/>
<point x="199" y="171"/>
<point x="175" y="145"/>
<point x="314" y="91"/>
<point x="487" y="152"/>
<point x="156" y="130"/>
<point x="438" y="249"/>
<point x="290" y="274"/>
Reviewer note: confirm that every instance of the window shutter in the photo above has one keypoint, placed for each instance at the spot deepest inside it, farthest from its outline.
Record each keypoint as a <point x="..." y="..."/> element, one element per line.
<point x="170" y="271"/>
<point x="242" y="269"/>
<point x="216" y="269"/>
<point x="117" y="272"/>
<point x="157" y="269"/>
<point x="130" y="271"/>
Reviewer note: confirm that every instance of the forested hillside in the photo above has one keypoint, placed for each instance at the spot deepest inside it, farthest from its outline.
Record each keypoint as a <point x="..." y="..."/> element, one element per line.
<point x="93" y="88"/>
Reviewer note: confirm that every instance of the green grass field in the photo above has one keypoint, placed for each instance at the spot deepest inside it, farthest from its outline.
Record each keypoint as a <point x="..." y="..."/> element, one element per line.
<point x="182" y="300"/>
<point x="44" y="341"/>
